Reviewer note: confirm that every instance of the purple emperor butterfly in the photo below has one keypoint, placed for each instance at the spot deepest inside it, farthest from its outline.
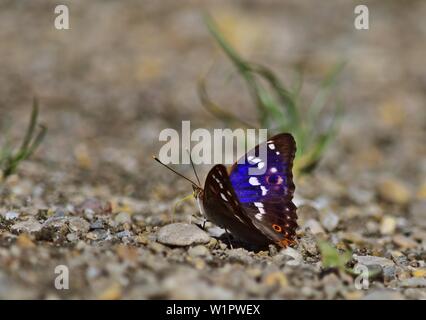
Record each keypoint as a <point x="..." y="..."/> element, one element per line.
<point x="257" y="209"/>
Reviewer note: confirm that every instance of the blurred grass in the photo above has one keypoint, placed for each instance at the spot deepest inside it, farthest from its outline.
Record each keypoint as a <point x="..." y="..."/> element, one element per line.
<point x="10" y="157"/>
<point x="278" y="108"/>
<point x="331" y="258"/>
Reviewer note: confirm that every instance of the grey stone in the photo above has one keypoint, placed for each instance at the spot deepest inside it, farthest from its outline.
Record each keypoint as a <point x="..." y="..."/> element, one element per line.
<point x="77" y="224"/>
<point x="383" y="295"/>
<point x="329" y="220"/>
<point x="239" y="255"/>
<point x="98" y="224"/>
<point x="124" y="234"/>
<point x="123" y="217"/>
<point x="373" y="260"/>
<point x="314" y="226"/>
<point x="413" y="283"/>
<point x="30" y="226"/>
<point x="182" y="234"/>
<point x="294" y="257"/>
<point x="11" y="215"/>
<point x="198" y="251"/>
<point x="72" y="236"/>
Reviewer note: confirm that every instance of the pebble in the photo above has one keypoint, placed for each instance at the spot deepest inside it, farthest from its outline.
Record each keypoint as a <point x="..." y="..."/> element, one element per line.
<point x="123" y="234"/>
<point x="10" y="215"/>
<point x="95" y="206"/>
<point x="71" y="237"/>
<point x="239" y="255"/>
<point x="29" y="226"/>
<point x="419" y="273"/>
<point x="329" y="220"/>
<point x="314" y="226"/>
<point x="413" y="283"/>
<point x="309" y="244"/>
<point x="24" y="241"/>
<point x="389" y="273"/>
<point x="404" y="242"/>
<point x="353" y="237"/>
<point x="388" y="225"/>
<point x="77" y="224"/>
<point x="182" y="234"/>
<point x="332" y="285"/>
<point x="98" y="224"/>
<point x="415" y="293"/>
<point x="418" y="213"/>
<point x="306" y="212"/>
<point x="394" y="191"/>
<point x="373" y="260"/>
<point x="296" y="258"/>
<point x="98" y="234"/>
<point x="123" y="217"/>
<point x="198" y="251"/>
<point x="383" y="295"/>
<point x="216" y="232"/>
<point x="360" y="196"/>
<point x="276" y="279"/>
<point x="142" y="239"/>
<point x="113" y="292"/>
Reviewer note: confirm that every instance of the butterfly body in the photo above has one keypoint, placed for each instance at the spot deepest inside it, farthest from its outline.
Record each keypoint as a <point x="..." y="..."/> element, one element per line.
<point x="256" y="208"/>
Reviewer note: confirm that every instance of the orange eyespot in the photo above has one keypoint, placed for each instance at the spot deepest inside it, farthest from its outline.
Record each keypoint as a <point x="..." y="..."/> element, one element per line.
<point x="277" y="228"/>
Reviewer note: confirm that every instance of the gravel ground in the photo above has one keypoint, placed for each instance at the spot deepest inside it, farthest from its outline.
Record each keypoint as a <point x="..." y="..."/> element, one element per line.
<point x="93" y="200"/>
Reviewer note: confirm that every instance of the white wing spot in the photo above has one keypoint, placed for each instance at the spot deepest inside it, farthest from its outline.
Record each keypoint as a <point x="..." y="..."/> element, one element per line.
<point x="223" y="196"/>
<point x="271" y="146"/>
<point x="260" y="165"/>
<point x="277" y="153"/>
<point x="273" y="170"/>
<point x="258" y="216"/>
<point x="264" y="190"/>
<point x="258" y="204"/>
<point x="253" y="181"/>
<point x="229" y="192"/>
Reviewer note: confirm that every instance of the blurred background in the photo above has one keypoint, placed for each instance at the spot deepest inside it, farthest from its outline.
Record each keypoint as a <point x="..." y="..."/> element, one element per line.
<point x="128" y="69"/>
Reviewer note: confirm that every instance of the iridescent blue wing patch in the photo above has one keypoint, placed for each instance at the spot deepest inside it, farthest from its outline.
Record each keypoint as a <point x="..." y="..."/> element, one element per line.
<point x="267" y="198"/>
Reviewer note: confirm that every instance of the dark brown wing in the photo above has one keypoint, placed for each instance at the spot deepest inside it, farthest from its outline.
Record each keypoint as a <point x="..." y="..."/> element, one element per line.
<point x="222" y="207"/>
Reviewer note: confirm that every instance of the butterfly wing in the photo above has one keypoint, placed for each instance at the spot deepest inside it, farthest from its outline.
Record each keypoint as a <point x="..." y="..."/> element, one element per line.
<point x="267" y="197"/>
<point x="220" y="204"/>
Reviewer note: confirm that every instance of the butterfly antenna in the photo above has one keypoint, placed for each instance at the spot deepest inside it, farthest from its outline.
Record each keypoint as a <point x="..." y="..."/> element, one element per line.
<point x="179" y="174"/>
<point x="193" y="167"/>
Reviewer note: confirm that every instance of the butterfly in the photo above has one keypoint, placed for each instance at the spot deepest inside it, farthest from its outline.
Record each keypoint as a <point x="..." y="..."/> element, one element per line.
<point x="255" y="208"/>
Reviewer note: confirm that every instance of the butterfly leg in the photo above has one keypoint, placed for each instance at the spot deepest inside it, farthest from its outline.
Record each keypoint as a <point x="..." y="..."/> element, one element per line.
<point x="204" y="224"/>
<point x="229" y="238"/>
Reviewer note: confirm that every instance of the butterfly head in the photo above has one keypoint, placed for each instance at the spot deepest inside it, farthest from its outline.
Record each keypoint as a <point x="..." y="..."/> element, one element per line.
<point x="197" y="191"/>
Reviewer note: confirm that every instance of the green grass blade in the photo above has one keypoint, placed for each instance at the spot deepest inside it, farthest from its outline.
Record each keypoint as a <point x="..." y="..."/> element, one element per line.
<point x="240" y="64"/>
<point x="31" y="127"/>
<point x="9" y="161"/>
